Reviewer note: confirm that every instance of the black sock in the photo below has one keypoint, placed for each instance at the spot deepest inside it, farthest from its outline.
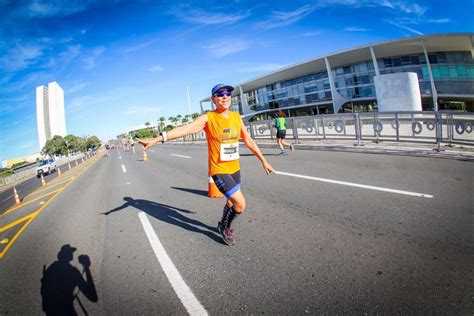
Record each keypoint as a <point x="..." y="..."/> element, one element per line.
<point x="228" y="215"/>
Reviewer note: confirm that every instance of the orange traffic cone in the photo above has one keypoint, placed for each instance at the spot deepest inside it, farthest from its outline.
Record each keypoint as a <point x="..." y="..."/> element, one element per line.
<point x="17" y="198"/>
<point x="43" y="183"/>
<point x="82" y="160"/>
<point x="213" y="191"/>
<point x="59" y="172"/>
<point x="145" y="156"/>
<point x="76" y="163"/>
<point x="69" y="165"/>
<point x="133" y="150"/>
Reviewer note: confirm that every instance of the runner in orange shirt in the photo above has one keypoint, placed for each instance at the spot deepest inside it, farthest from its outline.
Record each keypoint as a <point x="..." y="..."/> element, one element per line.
<point x="223" y="129"/>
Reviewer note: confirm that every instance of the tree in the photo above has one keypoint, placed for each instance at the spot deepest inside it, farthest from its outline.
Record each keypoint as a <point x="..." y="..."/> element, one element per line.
<point x="147" y="124"/>
<point x="194" y="115"/>
<point x="178" y="118"/>
<point x="92" y="142"/>
<point x="55" y="146"/>
<point x="162" y="122"/>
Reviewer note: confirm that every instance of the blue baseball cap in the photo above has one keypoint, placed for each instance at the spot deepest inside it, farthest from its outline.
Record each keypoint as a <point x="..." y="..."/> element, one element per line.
<point x="221" y="86"/>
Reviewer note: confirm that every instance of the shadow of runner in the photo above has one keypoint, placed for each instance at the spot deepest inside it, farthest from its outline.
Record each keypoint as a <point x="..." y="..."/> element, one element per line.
<point x="198" y="192"/>
<point x="60" y="280"/>
<point x="169" y="214"/>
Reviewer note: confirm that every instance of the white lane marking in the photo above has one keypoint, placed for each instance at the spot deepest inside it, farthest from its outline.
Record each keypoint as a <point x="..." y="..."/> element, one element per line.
<point x="120" y="157"/>
<point x="181" y="156"/>
<point x="184" y="293"/>
<point x="9" y="197"/>
<point x="151" y="150"/>
<point x="363" y="186"/>
<point x="123" y="169"/>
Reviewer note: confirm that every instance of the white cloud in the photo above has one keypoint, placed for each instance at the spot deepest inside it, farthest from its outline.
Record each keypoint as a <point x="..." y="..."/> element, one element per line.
<point x="77" y="87"/>
<point x="202" y="17"/>
<point x="21" y="56"/>
<point x="155" y="68"/>
<point x="261" y="68"/>
<point x="404" y="27"/>
<point x="355" y="29"/>
<point x="226" y="47"/>
<point x="138" y="47"/>
<point x="89" y="61"/>
<point x="308" y="34"/>
<point x="284" y="18"/>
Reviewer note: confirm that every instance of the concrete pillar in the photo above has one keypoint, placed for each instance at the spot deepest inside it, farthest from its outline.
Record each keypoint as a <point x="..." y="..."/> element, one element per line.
<point x="434" y="93"/>
<point x="337" y="99"/>
<point x="374" y="60"/>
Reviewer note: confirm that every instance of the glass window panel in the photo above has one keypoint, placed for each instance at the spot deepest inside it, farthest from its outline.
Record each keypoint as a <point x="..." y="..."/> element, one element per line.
<point x="363" y="67"/>
<point x="424" y="71"/>
<point x="422" y="59"/>
<point x="436" y="72"/>
<point x="441" y="58"/>
<point x="339" y="71"/>
<point x="444" y="72"/>
<point x="387" y="62"/>
<point x="453" y="72"/>
<point x="414" y="60"/>
<point x="370" y="66"/>
<point x="350" y="81"/>
<point x="347" y="70"/>
<point x="470" y="71"/>
<point x="433" y="59"/>
<point x="462" y="71"/>
<point x="397" y="62"/>
<point x="406" y="60"/>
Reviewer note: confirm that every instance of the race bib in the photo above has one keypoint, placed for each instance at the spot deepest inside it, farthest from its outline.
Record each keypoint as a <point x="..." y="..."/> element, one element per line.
<point x="229" y="151"/>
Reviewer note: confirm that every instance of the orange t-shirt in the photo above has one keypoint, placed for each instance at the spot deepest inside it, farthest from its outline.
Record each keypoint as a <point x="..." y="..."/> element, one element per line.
<point x="223" y="135"/>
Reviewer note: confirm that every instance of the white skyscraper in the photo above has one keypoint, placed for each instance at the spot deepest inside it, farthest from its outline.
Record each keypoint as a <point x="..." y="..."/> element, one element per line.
<point x="50" y="115"/>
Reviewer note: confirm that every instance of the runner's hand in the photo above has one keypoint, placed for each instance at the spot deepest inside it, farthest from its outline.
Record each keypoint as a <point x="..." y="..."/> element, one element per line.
<point x="268" y="168"/>
<point x="146" y="143"/>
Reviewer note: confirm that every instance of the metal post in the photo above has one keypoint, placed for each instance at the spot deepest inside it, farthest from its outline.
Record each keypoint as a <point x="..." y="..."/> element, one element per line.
<point x="271" y="129"/>
<point x="398" y="127"/>
<point x="295" y="130"/>
<point x="357" y="128"/>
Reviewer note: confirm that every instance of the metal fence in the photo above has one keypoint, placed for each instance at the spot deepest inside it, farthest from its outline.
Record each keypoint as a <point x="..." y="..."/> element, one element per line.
<point x="422" y="127"/>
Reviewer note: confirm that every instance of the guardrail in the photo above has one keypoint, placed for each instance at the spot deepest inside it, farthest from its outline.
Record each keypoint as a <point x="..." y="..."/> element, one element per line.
<point x="31" y="172"/>
<point x="421" y="127"/>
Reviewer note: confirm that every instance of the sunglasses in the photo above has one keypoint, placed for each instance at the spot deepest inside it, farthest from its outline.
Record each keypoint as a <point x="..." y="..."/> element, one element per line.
<point x="220" y="94"/>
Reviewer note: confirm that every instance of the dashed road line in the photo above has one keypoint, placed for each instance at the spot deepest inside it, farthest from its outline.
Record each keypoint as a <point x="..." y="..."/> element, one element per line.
<point x="123" y="169"/>
<point x="181" y="156"/>
<point x="363" y="186"/>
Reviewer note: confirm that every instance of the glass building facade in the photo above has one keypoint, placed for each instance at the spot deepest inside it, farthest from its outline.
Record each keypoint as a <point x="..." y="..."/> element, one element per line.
<point x="452" y="72"/>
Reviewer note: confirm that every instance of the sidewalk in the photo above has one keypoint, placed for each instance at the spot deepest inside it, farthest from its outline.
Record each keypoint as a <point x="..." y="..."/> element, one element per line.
<point x="457" y="152"/>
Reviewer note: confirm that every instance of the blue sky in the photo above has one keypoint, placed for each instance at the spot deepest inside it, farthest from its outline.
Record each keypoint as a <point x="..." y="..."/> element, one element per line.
<point x="123" y="63"/>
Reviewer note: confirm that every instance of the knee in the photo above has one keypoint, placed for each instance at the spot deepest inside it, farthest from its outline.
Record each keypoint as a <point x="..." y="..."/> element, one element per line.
<point x="239" y="205"/>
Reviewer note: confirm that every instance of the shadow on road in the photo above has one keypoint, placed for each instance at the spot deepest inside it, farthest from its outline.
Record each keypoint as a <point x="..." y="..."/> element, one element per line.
<point x="61" y="280"/>
<point x="169" y="214"/>
<point x="197" y="192"/>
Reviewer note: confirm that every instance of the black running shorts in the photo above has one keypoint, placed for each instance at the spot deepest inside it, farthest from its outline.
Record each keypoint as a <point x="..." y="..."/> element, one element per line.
<point x="281" y="134"/>
<point x="228" y="184"/>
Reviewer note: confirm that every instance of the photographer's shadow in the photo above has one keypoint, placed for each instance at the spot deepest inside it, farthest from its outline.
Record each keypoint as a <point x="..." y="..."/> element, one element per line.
<point x="169" y="214"/>
<point x="60" y="281"/>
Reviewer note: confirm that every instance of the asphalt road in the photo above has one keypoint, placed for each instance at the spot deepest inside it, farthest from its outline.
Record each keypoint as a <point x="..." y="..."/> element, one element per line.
<point x="333" y="233"/>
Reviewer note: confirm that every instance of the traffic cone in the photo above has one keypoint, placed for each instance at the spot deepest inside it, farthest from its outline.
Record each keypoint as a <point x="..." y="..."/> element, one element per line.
<point x="213" y="191"/>
<point x="43" y="183"/>
<point x="145" y="156"/>
<point x="69" y="165"/>
<point x="59" y="172"/>
<point x="17" y="198"/>
<point x="82" y="160"/>
<point x="133" y="150"/>
<point x="76" y="163"/>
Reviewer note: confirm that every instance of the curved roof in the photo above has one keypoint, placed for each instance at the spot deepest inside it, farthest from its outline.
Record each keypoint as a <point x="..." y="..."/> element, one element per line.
<point x="402" y="46"/>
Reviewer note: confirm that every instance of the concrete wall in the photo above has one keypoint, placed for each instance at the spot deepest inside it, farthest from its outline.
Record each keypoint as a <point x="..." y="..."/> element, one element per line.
<point x="398" y="92"/>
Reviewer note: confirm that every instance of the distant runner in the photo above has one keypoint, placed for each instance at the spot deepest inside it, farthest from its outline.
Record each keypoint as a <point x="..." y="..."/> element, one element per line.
<point x="223" y="129"/>
<point x="280" y="124"/>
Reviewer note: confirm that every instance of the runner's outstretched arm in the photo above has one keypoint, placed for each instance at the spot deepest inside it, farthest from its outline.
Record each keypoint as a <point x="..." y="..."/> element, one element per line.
<point x="248" y="141"/>
<point x="196" y="126"/>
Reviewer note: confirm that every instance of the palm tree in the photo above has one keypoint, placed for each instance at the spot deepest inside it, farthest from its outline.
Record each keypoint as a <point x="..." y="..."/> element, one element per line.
<point x="162" y="122"/>
<point x="194" y="115"/>
<point x="178" y="117"/>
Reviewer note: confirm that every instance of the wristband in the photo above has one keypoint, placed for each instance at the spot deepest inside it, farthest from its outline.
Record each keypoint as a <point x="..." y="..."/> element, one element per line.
<point x="164" y="137"/>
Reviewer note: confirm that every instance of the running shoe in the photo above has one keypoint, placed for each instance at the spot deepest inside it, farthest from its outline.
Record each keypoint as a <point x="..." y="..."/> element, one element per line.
<point x="283" y="153"/>
<point x="227" y="234"/>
